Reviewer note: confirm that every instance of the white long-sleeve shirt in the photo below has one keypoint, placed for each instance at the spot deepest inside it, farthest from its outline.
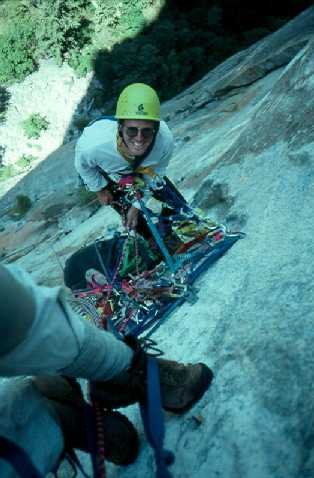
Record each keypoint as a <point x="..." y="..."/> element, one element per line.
<point x="97" y="149"/>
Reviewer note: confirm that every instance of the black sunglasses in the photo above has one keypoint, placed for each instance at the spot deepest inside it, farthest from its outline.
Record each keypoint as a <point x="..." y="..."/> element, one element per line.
<point x="146" y="133"/>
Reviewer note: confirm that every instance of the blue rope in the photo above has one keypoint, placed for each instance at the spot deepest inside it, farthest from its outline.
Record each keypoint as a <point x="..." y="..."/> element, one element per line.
<point x="153" y="420"/>
<point x="170" y="262"/>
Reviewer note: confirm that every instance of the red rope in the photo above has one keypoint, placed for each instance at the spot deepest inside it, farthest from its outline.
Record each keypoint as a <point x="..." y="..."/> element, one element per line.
<point x="97" y="409"/>
<point x="100" y="434"/>
<point x="187" y="245"/>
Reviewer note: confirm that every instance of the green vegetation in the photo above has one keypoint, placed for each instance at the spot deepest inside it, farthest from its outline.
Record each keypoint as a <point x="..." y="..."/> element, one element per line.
<point x="22" y="205"/>
<point x="25" y="161"/>
<point x="85" y="196"/>
<point x="170" y="54"/>
<point x="35" y="29"/>
<point x="16" y="52"/>
<point x="7" y="172"/>
<point x="11" y="170"/>
<point x="169" y="44"/>
<point x="64" y="27"/>
<point x="3" y="117"/>
<point x="66" y="30"/>
<point x="34" y="125"/>
<point x="4" y="103"/>
<point x="2" y="152"/>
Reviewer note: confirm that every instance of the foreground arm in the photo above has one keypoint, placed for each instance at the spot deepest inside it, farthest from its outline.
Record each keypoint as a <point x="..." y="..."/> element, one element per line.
<point x="41" y="334"/>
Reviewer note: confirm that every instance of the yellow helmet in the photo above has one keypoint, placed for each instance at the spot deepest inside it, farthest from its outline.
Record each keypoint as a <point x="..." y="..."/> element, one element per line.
<point x="138" y="101"/>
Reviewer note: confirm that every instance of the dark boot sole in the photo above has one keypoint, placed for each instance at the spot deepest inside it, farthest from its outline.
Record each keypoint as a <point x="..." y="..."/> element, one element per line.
<point x="127" y="451"/>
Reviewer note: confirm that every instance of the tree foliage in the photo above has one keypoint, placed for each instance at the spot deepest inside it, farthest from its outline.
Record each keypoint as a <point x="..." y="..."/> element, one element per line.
<point x="25" y="161"/>
<point x="34" y="125"/>
<point x="4" y="103"/>
<point x="16" y="52"/>
<point x="63" y="28"/>
<point x="22" y="204"/>
<point x="184" y="41"/>
<point x="170" y="54"/>
<point x="40" y="29"/>
<point x="7" y="172"/>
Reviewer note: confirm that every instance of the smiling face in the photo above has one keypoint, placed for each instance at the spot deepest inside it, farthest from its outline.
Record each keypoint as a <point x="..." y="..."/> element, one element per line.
<point x="137" y="135"/>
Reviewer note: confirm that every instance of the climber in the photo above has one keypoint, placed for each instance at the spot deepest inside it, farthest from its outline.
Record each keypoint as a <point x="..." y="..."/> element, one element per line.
<point x="135" y="142"/>
<point x="42" y="417"/>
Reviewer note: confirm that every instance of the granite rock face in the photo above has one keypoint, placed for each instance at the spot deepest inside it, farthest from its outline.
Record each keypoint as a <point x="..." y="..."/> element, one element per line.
<point x="257" y="330"/>
<point x="245" y="154"/>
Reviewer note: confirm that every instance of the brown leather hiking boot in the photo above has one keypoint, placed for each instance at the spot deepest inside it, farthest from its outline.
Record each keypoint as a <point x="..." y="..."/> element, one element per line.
<point x="68" y="407"/>
<point x="181" y="385"/>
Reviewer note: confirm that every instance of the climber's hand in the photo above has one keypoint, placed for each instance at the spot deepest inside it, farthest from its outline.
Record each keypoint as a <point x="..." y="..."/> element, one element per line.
<point x="132" y="218"/>
<point x="105" y="197"/>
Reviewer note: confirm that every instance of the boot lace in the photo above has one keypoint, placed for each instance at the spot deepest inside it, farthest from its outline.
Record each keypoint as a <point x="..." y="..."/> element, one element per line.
<point x="150" y="347"/>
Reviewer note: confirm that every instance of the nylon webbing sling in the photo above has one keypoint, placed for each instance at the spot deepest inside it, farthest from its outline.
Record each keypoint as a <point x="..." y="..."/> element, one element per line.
<point x="153" y="420"/>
